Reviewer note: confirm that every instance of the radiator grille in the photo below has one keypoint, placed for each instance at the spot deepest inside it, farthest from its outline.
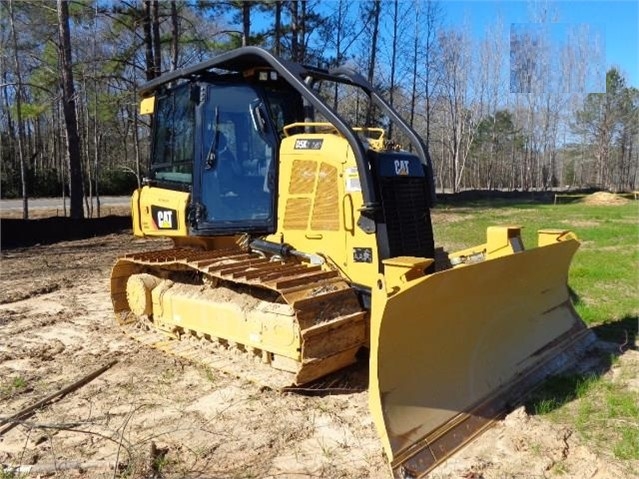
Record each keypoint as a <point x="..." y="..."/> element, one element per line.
<point x="326" y="205"/>
<point x="407" y="216"/>
<point x="303" y="177"/>
<point x="297" y="213"/>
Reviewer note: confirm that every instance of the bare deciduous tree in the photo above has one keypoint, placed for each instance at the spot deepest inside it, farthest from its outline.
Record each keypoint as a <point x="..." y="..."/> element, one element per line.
<point x="460" y="111"/>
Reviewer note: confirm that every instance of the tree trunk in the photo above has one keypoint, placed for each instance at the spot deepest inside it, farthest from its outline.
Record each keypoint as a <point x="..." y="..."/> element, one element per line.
<point x="70" y="118"/>
<point x="371" y="65"/>
<point x="413" y="93"/>
<point x="10" y="129"/>
<point x="136" y="142"/>
<point x="88" y="197"/>
<point x="338" y="48"/>
<point x="148" y="40"/>
<point x="295" y="30"/>
<point x="157" y="46"/>
<point x="393" y="61"/>
<point x="96" y="135"/>
<point x="175" y="33"/>
<point x="246" y="23"/>
<point x="432" y="16"/>
<point x="302" y="33"/>
<point x="96" y="153"/>
<point x="21" y="153"/>
<point x="278" y="28"/>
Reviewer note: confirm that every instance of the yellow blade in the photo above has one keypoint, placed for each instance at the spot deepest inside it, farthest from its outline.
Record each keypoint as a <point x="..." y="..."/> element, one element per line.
<point x="452" y="351"/>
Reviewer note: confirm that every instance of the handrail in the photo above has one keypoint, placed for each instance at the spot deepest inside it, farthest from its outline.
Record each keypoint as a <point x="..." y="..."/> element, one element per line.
<point x="315" y="124"/>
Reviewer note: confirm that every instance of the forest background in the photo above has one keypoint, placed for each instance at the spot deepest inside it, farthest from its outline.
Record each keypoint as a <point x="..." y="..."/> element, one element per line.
<point x="510" y="110"/>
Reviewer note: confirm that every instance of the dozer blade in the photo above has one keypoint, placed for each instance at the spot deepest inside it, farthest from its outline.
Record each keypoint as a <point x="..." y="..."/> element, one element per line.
<point x="452" y="351"/>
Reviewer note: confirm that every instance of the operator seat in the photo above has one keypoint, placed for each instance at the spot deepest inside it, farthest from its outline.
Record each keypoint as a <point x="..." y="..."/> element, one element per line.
<point x="228" y="169"/>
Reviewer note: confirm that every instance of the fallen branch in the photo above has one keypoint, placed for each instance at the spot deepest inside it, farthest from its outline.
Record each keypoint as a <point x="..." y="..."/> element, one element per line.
<point x="70" y="428"/>
<point x="57" y="467"/>
<point x="16" y="418"/>
<point x="117" y="456"/>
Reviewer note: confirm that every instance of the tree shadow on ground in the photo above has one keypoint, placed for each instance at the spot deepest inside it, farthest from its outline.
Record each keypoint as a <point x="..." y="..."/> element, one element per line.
<point x="614" y="338"/>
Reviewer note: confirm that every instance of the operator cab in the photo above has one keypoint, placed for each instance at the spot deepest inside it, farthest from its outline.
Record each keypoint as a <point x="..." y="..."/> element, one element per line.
<point x="218" y="138"/>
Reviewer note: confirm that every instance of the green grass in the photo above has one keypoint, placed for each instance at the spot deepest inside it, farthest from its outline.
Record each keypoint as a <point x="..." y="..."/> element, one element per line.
<point x="605" y="271"/>
<point x="604" y="280"/>
<point x="608" y="417"/>
<point x="19" y="382"/>
<point x="9" y="386"/>
<point x="560" y="390"/>
<point x="8" y="474"/>
<point x="603" y="411"/>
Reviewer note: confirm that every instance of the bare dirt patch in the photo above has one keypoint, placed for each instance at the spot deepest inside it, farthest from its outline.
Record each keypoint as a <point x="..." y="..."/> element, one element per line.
<point x="581" y="223"/>
<point x="524" y="446"/>
<point x="441" y="215"/>
<point x="203" y="423"/>
<point x="159" y="416"/>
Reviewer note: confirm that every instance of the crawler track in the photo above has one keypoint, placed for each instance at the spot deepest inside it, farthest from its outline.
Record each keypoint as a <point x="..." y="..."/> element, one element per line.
<point x="291" y="322"/>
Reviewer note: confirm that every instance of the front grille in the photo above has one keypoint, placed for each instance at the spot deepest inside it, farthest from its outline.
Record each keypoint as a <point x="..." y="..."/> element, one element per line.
<point x="407" y="216"/>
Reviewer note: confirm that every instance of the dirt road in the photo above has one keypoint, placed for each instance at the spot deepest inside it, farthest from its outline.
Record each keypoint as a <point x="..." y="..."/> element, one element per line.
<point x="151" y="415"/>
<point x="58" y="204"/>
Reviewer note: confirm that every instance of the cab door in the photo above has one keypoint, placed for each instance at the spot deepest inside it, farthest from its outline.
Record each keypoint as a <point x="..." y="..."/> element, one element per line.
<point x="234" y="184"/>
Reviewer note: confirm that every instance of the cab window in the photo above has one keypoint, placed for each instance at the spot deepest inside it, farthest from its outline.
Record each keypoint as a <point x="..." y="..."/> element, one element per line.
<point x="173" y="137"/>
<point x="238" y="177"/>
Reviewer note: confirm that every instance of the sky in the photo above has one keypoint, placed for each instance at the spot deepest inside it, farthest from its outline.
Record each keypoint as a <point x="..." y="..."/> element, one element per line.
<point x="617" y="21"/>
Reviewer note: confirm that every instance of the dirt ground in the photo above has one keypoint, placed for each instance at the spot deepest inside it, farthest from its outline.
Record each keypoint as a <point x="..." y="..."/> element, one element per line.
<point x="605" y="198"/>
<point x="151" y="415"/>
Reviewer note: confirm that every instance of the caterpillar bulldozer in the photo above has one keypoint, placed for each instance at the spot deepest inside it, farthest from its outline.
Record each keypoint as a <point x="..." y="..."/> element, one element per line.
<point x="300" y="239"/>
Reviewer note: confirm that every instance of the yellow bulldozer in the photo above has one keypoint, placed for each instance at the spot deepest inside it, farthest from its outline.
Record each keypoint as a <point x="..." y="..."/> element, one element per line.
<point x="300" y="240"/>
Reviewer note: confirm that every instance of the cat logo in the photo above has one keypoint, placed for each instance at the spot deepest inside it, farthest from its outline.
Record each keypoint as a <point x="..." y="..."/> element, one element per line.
<point x="165" y="218"/>
<point x="401" y="167"/>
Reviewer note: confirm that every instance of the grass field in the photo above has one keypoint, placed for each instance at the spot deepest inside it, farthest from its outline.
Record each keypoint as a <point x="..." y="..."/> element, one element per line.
<point x="602" y="405"/>
<point x="605" y="271"/>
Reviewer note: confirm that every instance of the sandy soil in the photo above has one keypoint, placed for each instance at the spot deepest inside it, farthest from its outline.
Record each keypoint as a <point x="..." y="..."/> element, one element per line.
<point x="151" y="415"/>
<point x="605" y="198"/>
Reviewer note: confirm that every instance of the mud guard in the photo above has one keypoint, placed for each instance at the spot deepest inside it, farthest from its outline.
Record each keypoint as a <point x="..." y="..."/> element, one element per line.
<point x="454" y="350"/>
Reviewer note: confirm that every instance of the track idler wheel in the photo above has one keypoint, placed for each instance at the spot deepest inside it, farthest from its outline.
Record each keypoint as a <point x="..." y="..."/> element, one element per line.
<point x="138" y="293"/>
